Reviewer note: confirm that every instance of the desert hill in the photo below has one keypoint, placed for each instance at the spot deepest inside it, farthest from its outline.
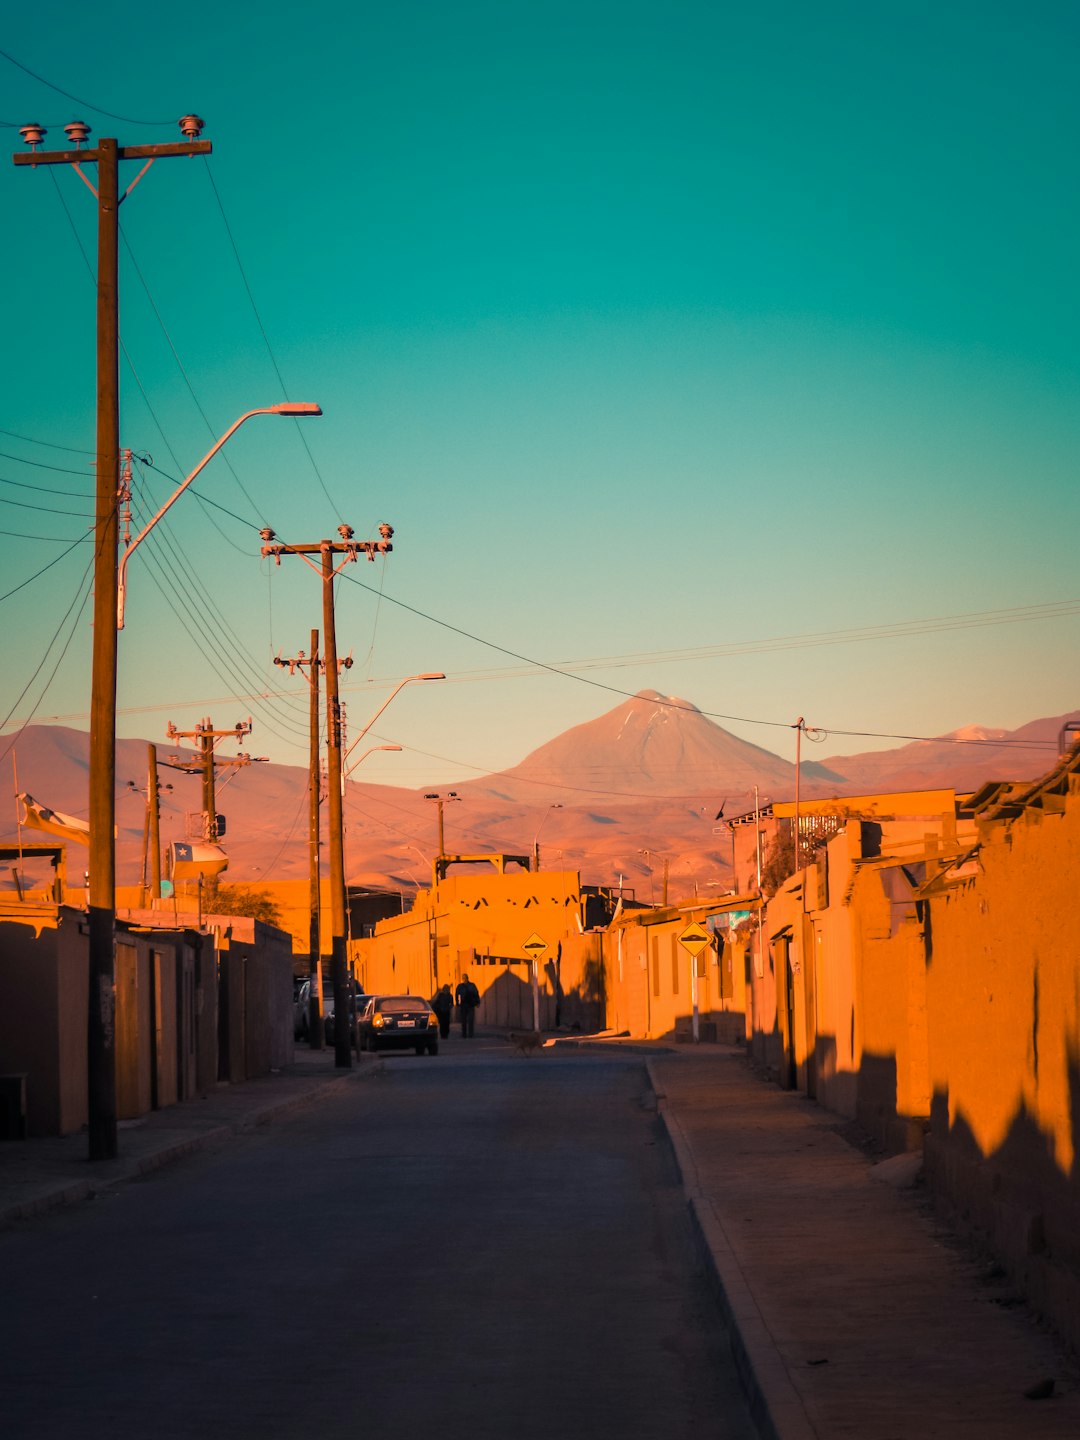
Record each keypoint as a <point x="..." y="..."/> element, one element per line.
<point x="619" y="795"/>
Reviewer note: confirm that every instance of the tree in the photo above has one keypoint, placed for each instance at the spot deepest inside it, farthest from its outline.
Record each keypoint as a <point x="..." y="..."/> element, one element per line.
<point x="241" y="900"/>
<point x="779" y="862"/>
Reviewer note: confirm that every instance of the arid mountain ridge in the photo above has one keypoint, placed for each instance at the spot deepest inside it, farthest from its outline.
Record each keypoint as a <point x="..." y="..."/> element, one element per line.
<point x="618" y="795"/>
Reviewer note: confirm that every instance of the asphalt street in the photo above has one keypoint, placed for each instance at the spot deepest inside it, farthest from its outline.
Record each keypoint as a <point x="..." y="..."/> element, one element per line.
<point x="471" y="1245"/>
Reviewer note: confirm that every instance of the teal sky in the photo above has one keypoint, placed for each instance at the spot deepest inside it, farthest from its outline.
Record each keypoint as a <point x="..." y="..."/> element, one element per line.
<point x="651" y="329"/>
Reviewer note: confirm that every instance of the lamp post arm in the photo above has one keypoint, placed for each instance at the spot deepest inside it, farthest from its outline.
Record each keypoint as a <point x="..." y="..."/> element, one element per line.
<point x="121" y="585"/>
<point x="431" y="675"/>
<point x="371" y="722"/>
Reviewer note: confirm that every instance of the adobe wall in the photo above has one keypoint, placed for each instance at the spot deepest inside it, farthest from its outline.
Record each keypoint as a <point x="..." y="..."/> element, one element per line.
<point x="43" y="978"/>
<point x="477" y="923"/>
<point x="651" y="979"/>
<point x="1003" y="985"/>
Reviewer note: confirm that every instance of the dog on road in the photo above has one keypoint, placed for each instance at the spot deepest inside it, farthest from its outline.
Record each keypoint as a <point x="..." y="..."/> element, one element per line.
<point x="526" y="1042"/>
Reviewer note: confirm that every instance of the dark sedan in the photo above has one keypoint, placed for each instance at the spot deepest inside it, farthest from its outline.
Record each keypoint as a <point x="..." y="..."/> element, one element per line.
<point x="398" y="1022"/>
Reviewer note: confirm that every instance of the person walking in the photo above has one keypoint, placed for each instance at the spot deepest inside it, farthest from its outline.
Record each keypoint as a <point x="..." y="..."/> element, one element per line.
<point x="468" y="998"/>
<point x="443" y="1005"/>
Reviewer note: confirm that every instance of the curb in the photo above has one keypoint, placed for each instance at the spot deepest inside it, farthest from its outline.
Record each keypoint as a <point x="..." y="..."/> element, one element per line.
<point x="80" y="1190"/>
<point x="775" y="1404"/>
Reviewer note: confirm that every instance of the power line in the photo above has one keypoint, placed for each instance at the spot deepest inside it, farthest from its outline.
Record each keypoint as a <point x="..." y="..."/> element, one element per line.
<point x="180" y="364"/>
<point x="153" y="124"/>
<point x="47" y="509"/>
<point x="37" y="576"/>
<point x="32" y="440"/>
<point x="84" y="589"/>
<point x="44" y="465"/>
<point x="662" y="701"/>
<point x="44" y="489"/>
<point x="149" y="464"/>
<point x="231" y="666"/>
<point x="266" y="338"/>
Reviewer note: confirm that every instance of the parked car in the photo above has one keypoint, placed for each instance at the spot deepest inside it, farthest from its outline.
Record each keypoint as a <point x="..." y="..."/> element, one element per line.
<point x="398" y="1022"/>
<point x="300" y="1009"/>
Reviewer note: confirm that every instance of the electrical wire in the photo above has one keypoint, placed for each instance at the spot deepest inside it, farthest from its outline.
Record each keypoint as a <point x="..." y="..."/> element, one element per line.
<point x="32" y="440"/>
<point x="38" y="574"/>
<point x="50" y="539"/>
<point x="335" y="508"/>
<point x="269" y="869"/>
<point x="673" y="704"/>
<point x="127" y="119"/>
<point x="149" y="464"/>
<point x="87" y="474"/>
<point x="84" y="589"/>
<point x="213" y="431"/>
<point x="227" y="668"/>
<point x="204" y="594"/>
<point x="46" y="509"/>
<point x="126" y="353"/>
<point x="45" y="489"/>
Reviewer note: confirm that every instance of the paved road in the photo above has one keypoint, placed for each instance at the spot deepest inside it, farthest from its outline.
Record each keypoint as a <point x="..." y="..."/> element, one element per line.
<point x="469" y="1246"/>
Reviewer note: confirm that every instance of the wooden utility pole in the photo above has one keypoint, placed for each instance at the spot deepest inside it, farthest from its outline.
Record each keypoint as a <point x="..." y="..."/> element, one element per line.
<point x="326" y="550"/>
<point x="206" y="738"/>
<point x="101" y="1051"/>
<point x="312" y="664"/>
<point x="153" y="797"/>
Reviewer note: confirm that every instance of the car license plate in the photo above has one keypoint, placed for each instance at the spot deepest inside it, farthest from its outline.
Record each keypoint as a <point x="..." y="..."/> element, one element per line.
<point x="405" y="1024"/>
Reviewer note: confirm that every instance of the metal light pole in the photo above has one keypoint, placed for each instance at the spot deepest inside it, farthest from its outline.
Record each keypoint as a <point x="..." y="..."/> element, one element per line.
<point x="295" y="411"/>
<point x="428" y="675"/>
<point x="363" y="756"/>
<point x="536" y="837"/>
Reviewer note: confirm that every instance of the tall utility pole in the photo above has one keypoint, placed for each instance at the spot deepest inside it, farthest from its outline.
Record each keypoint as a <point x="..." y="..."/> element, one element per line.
<point x="101" y="1044"/>
<point x="326" y="549"/>
<point x="206" y="738"/>
<point x="312" y="665"/>
<point x="440" y="801"/>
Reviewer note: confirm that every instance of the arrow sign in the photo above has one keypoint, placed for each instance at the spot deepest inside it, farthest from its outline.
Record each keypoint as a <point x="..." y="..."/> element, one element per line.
<point x="695" y="938"/>
<point x="535" y="946"/>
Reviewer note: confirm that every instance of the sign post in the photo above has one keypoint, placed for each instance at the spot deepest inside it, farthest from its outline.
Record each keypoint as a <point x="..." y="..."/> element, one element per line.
<point x="534" y="947"/>
<point x="694" y="939"/>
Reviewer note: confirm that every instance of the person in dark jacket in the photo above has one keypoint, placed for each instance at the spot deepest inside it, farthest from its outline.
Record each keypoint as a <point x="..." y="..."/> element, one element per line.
<point x="443" y="1005"/>
<point x="468" y="998"/>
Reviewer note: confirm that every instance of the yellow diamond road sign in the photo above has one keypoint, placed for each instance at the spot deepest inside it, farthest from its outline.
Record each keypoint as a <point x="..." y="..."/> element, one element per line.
<point x="535" y="946"/>
<point x="695" y="938"/>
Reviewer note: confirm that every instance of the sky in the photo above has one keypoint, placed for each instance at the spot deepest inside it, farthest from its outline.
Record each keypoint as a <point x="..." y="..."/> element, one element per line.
<point x="722" y="350"/>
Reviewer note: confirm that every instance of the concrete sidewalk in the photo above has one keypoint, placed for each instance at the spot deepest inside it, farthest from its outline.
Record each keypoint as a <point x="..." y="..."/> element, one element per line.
<point x="853" y="1311"/>
<point x="47" y="1174"/>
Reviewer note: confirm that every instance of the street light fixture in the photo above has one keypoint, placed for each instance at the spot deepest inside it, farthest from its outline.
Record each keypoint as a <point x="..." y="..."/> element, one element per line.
<point x="536" y="837"/>
<point x="370" y="751"/>
<point x="427" y="675"/>
<point x="295" y="409"/>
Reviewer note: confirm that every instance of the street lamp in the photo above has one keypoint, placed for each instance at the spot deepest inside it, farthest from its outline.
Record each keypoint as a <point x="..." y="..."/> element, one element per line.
<point x="370" y="751"/>
<point x="536" y="837"/>
<point x="295" y="410"/>
<point x="428" y="675"/>
<point x="344" y="776"/>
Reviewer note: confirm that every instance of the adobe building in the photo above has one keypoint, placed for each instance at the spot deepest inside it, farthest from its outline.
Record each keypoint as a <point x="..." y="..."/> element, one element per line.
<point x="922" y="977"/>
<point x="502" y="922"/>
